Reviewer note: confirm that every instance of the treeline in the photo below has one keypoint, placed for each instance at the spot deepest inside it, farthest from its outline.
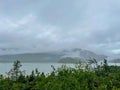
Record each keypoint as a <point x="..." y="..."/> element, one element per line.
<point x="82" y="77"/>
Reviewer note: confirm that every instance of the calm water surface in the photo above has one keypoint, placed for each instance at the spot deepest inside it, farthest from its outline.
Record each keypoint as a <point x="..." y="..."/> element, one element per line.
<point x="42" y="67"/>
<point x="28" y="67"/>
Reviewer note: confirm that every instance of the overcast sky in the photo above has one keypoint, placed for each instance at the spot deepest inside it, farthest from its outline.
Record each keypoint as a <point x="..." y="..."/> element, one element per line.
<point x="44" y="25"/>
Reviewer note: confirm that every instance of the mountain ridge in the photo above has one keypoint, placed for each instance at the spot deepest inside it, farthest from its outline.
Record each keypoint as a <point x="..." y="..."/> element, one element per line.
<point x="75" y="54"/>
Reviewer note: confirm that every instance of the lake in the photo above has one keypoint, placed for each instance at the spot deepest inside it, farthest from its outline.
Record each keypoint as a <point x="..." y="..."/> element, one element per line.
<point x="28" y="67"/>
<point x="42" y="67"/>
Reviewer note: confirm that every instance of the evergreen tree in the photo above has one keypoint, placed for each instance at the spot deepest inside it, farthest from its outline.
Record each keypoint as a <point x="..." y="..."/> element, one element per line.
<point x="15" y="72"/>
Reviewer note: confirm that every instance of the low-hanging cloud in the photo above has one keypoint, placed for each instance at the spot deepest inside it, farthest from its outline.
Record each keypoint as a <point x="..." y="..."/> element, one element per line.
<point x="36" y="26"/>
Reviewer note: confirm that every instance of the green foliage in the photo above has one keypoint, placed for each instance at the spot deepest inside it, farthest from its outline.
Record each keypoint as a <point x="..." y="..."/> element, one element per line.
<point x="82" y="77"/>
<point x="15" y="72"/>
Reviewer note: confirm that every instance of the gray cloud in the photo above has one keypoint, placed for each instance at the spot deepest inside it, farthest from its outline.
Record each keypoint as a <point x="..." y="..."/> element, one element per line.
<point x="34" y="26"/>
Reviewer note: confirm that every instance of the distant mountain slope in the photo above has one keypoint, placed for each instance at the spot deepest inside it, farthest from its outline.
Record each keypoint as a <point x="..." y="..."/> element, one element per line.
<point x="65" y="56"/>
<point x="81" y="55"/>
<point x="69" y="60"/>
<point x="31" y="57"/>
<point x="115" y="60"/>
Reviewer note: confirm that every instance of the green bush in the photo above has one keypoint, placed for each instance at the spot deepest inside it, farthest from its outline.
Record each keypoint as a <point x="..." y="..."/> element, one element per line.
<point x="82" y="77"/>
